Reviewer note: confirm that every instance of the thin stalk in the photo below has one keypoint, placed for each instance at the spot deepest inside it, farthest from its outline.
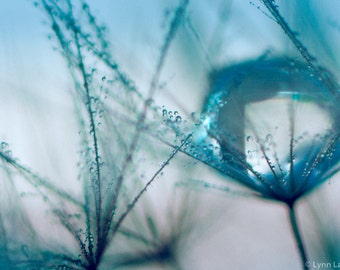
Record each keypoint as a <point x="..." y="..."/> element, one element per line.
<point x="297" y="236"/>
<point x="108" y="217"/>
<point x="141" y="192"/>
<point x="325" y="76"/>
<point x="93" y="132"/>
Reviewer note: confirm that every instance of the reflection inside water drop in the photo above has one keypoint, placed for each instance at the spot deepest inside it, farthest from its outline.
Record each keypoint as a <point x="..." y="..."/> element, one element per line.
<point x="274" y="120"/>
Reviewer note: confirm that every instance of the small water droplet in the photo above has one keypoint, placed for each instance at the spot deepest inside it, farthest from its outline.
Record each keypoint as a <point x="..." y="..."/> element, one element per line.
<point x="250" y="138"/>
<point x="149" y="101"/>
<point x="178" y="118"/>
<point x="4" y="145"/>
<point x="269" y="137"/>
<point x="221" y="103"/>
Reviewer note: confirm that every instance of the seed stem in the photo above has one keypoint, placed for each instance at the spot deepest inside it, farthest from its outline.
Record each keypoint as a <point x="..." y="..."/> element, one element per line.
<point x="297" y="236"/>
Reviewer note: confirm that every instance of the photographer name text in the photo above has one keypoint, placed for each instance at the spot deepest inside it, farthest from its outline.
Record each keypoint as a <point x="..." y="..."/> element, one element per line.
<point x="323" y="265"/>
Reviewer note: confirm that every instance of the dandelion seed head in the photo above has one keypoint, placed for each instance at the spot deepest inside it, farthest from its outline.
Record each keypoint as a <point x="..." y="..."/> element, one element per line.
<point x="276" y="128"/>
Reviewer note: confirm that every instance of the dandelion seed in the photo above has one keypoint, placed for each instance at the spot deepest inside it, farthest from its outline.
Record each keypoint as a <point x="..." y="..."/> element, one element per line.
<point x="278" y="131"/>
<point x="267" y="126"/>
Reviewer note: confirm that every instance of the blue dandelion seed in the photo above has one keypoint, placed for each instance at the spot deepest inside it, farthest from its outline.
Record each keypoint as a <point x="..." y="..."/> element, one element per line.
<point x="276" y="126"/>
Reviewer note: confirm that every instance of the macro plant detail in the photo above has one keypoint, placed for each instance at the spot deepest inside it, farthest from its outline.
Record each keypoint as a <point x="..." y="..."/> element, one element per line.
<point x="272" y="124"/>
<point x="107" y="104"/>
<point x="269" y="121"/>
<point x="275" y="126"/>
